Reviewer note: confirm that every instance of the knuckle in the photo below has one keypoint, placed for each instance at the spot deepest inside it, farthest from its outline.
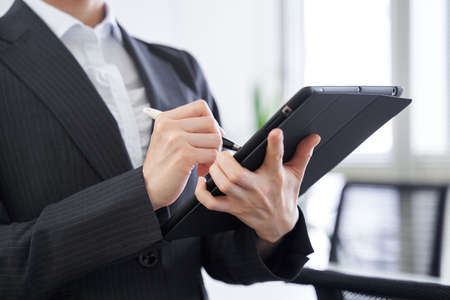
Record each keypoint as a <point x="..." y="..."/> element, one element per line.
<point x="217" y="141"/>
<point x="278" y="178"/>
<point x="264" y="190"/>
<point x="202" y="103"/>
<point x="173" y="139"/>
<point x="279" y="156"/>
<point x="237" y="177"/>
<point x="307" y="155"/>
<point x="213" y="155"/>
<point x="227" y="187"/>
<point x="185" y="154"/>
<point x="211" y="124"/>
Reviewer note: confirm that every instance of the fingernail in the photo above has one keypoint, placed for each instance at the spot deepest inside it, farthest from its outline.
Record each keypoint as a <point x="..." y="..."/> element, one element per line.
<point x="318" y="141"/>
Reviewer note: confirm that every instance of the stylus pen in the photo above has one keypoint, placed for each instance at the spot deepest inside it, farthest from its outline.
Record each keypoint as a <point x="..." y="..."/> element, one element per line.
<point x="226" y="143"/>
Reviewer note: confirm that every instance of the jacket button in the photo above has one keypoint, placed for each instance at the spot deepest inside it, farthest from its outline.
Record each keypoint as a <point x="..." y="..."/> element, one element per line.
<point x="149" y="259"/>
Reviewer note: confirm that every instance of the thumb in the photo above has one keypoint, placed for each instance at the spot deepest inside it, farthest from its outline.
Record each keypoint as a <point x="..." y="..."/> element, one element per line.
<point x="303" y="154"/>
<point x="275" y="150"/>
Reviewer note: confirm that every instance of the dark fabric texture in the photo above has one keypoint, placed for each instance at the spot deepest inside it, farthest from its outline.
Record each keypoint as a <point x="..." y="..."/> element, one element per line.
<point x="75" y="218"/>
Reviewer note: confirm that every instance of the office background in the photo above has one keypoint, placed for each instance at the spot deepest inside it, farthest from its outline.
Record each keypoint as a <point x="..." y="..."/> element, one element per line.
<point x="265" y="50"/>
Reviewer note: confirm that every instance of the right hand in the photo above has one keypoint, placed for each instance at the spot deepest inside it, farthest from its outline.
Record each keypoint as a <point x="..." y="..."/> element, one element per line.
<point x="182" y="138"/>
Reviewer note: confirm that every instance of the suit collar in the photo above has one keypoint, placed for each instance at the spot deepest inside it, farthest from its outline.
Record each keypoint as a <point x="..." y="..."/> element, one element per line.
<point x="161" y="82"/>
<point x="57" y="20"/>
<point x="61" y="22"/>
<point x="16" y="12"/>
<point x="46" y="66"/>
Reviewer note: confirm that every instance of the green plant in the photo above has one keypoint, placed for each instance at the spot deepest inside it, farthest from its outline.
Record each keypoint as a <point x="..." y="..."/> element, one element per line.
<point x="263" y="109"/>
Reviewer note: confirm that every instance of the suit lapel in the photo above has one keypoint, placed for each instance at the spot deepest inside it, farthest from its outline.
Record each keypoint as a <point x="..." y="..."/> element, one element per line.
<point x="161" y="82"/>
<point x="45" y="65"/>
<point x="163" y="91"/>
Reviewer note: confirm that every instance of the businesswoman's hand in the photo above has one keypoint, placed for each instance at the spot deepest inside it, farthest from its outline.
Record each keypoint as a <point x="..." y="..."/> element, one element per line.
<point x="265" y="200"/>
<point x="182" y="138"/>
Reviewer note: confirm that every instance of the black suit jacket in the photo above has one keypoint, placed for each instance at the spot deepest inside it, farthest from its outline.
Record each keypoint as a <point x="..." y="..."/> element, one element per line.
<point x="75" y="218"/>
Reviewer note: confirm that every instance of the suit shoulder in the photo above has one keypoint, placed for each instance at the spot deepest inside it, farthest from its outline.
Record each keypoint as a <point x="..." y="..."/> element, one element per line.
<point x="187" y="68"/>
<point x="184" y="64"/>
<point x="173" y="55"/>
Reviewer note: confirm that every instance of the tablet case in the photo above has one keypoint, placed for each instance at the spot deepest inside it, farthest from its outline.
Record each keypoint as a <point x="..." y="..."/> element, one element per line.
<point x="343" y="121"/>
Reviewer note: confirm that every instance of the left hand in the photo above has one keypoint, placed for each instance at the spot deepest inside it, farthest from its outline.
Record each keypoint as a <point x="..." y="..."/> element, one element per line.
<point x="265" y="200"/>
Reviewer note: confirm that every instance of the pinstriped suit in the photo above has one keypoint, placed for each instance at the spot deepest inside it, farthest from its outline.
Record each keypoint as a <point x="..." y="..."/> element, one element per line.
<point x="75" y="218"/>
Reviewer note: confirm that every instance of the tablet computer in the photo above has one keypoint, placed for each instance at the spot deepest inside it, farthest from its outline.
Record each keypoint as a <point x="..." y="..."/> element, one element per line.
<point x="343" y="116"/>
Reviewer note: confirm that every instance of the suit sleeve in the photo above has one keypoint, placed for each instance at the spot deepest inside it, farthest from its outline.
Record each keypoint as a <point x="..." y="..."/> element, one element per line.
<point x="233" y="256"/>
<point x="105" y="223"/>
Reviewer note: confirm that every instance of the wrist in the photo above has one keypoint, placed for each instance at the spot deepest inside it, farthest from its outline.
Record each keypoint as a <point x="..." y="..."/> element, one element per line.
<point x="272" y="238"/>
<point x="279" y="229"/>
<point x="155" y="204"/>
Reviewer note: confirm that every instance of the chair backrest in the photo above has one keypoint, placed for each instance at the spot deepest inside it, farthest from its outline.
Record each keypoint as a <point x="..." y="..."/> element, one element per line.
<point x="390" y="227"/>
<point x="331" y="285"/>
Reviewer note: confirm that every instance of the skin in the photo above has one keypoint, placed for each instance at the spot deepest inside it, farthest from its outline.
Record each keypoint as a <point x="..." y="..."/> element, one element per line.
<point x="189" y="136"/>
<point x="90" y="12"/>
<point x="265" y="200"/>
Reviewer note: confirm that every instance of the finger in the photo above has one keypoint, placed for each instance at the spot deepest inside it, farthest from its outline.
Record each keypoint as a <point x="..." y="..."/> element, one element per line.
<point x="303" y="154"/>
<point x="225" y="185"/>
<point x="197" y="108"/>
<point x="235" y="173"/>
<point x="275" y="150"/>
<point x="206" y="198"/>
<point x="200" y="125"/>
<point x="222" y="131"/>
<point x="205" y="140"/>
<point x="199" y="156"/>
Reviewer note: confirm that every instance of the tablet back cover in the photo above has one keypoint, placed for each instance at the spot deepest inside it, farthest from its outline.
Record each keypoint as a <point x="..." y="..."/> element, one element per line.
<point x="343" y="121"/>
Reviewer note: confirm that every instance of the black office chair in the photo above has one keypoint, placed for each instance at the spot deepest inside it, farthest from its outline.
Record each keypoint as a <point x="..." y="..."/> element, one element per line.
<point x="390" y="227"/>
<point x="330" y="285"/>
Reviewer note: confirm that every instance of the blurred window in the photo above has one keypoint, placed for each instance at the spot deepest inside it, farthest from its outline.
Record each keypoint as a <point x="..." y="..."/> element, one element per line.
<point x="348" y="43"/>
<point x="430" y="120"/>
